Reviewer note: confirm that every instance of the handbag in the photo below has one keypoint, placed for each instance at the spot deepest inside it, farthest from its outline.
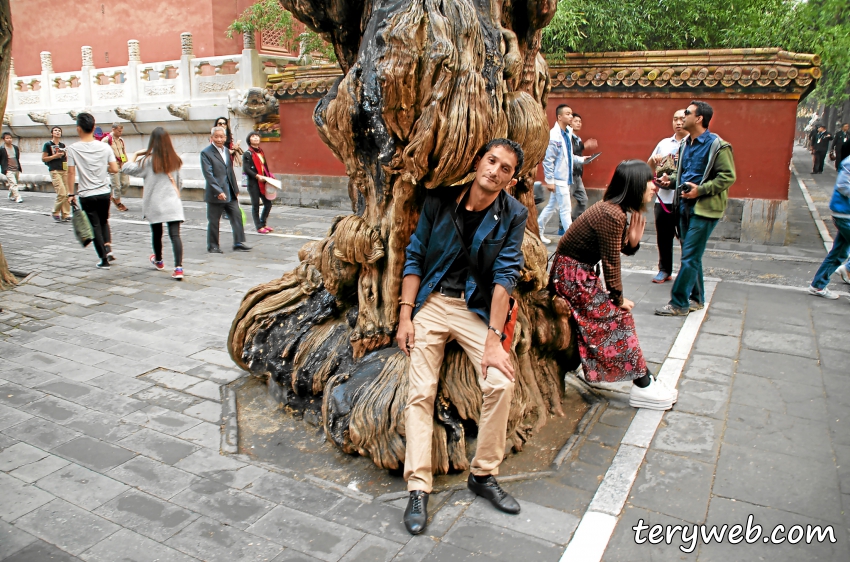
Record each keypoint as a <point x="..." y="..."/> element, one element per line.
<point x="82" y="227"/>
<point x="513" y="308"/>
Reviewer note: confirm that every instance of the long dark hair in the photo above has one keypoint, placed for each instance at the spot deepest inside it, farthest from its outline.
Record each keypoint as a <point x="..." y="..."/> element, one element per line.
<point x="164" y="158"/>
<point x="229" y="141"/>
<point x="628" y="185"/>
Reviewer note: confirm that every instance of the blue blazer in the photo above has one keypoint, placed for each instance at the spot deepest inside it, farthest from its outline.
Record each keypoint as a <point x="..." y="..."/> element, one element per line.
<point x="496" y="248"/>
<point x="217" y="174"/>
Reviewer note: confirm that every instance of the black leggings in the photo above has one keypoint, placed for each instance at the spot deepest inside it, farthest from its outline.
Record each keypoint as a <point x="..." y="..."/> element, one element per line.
<point x="665" y="229"/>
<point x="96" y="208"/>
<point x="176" y="243"/>
<point x="256" y="198"/>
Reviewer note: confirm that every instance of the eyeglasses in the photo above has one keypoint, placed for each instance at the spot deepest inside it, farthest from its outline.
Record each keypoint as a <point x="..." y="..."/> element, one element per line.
<point x="688" y="112"/>
<point x="222" y="123"/>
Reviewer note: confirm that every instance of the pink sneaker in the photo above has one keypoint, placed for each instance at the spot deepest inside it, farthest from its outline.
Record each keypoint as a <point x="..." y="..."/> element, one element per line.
<point x="158" y="265"/>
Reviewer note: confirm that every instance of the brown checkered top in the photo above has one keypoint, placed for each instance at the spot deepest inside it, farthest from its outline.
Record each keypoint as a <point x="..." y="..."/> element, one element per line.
<point x="600" y="234"/>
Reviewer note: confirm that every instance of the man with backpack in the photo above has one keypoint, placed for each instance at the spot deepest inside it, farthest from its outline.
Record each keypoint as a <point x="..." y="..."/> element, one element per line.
<point x="53" y="155"/>
<point x="119" y="180"/>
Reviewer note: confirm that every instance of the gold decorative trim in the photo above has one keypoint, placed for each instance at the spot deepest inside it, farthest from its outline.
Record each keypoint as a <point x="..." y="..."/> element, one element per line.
<point x="303" y="82"/>
<point x="730" y="72"/>
<point x="769" y="73"/>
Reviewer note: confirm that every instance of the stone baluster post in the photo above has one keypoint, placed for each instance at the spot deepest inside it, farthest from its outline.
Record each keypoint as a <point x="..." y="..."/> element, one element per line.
<point x="86" y="80"/>
<point x="10" y="99"/>
<point x="250" y="68"/>
<point x="46" y="78"/>
<point x="185" y="78"/>
<point x="131" y="83"/>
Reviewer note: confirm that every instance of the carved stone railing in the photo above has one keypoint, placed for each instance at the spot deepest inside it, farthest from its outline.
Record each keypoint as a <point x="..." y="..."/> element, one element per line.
<point x="182" y="86"/>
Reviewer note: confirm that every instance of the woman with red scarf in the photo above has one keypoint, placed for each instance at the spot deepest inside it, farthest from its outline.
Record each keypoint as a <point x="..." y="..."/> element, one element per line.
<point x="255" y="167"/>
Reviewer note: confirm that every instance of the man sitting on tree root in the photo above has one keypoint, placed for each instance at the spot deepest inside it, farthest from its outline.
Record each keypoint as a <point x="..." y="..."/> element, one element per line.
<point x="443" y="299"/>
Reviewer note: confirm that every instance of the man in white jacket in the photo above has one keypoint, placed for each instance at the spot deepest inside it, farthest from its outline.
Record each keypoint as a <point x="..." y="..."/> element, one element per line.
<point x="558" y="171"/>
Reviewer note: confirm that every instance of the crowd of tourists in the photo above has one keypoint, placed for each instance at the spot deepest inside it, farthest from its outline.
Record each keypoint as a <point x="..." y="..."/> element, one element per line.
<point x="92" y="174"/>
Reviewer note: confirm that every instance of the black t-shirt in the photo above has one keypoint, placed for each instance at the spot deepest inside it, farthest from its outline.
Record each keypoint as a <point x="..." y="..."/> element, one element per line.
<point x="455" y="278"/>
<point x="57" y="164"/>
<point x="578" y="150"/>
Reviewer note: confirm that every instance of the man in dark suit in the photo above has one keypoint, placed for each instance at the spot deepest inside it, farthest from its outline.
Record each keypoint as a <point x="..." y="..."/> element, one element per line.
<point x="820" y="146"/>
<point x="220" y="192"/>
<point x="841" y="145"/>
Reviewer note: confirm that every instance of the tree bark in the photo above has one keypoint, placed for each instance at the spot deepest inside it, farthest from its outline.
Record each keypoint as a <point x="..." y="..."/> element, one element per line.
<point x="426" y="85"/>
<point x="7" y="279"/>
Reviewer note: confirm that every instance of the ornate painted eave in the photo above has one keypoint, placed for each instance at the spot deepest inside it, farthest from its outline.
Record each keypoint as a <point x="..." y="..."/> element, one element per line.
<point x="769" y="73"/>
<point x="720" y="73"/>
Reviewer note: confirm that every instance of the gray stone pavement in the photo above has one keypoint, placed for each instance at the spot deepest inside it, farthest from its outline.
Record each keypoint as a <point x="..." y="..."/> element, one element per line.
<point x="110" y="405"/>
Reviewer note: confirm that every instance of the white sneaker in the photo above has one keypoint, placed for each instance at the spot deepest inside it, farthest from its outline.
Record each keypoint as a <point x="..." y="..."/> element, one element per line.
<point x="825" y="293"/>
<point x="656" y="396"/>
<point x="672" y="389"/>
<point x="842" y="271"/>
<point x="19" y="199"/>
<point x="545" y="240"/>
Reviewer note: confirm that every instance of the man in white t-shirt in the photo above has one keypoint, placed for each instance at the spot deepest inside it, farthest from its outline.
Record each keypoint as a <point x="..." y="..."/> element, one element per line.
<point x="89" y="163"/>
<point x="666" y="153"/>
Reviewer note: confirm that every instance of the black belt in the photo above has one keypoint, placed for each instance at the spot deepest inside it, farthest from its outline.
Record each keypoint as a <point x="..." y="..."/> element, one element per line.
<point x="449" y="292"/>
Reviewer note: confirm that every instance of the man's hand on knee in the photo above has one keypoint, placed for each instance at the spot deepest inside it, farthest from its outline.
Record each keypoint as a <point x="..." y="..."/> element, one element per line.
<point x="495" y="356"/>
<point x="404" y="335"/>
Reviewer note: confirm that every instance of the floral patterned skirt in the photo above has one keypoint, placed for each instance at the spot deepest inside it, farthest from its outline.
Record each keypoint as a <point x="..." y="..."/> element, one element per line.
<point x="607" y="341"/>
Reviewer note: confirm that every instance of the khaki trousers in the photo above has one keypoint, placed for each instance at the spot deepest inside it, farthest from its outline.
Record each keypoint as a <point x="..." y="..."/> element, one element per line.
<point x="120" y="182"/>
<point x="441" y="320"/>
<point x="60" y="186"/>
<point x="12" y="179"/>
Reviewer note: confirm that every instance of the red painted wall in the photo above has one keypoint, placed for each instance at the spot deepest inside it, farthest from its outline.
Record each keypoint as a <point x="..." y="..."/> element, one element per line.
<point x="107" y="25"/>
<point x="761" y="133"/>
<point x="300" y="150"/>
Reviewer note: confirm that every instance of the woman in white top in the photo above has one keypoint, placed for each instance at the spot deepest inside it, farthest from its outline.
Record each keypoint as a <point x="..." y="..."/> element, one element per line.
<point x="159" y="166"/>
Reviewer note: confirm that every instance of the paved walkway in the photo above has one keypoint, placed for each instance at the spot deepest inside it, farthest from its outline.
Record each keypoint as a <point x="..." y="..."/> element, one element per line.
<point x="110" y="405"/>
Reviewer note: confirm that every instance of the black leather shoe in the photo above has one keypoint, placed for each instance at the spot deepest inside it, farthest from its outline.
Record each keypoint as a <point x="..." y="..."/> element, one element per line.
<point x="241" y="248"/>
<point x="416" y="513"/>
<point x="214" y="251"/>
<point x="490" y="490"/>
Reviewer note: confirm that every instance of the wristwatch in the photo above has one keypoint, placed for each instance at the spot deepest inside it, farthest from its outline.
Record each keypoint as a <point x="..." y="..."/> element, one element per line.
<point x="502" y="337"/>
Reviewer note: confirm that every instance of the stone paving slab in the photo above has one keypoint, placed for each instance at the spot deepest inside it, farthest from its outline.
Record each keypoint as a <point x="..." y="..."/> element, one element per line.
<point x="67" y="526"/>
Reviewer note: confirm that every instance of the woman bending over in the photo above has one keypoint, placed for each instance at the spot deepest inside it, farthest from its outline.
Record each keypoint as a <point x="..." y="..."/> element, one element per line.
<point x="607" y="341"/>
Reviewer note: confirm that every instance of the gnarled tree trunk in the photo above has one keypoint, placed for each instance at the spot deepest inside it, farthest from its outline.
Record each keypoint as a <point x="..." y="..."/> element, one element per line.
<point x="427" y="83"/>
<point x="7" y="279"/>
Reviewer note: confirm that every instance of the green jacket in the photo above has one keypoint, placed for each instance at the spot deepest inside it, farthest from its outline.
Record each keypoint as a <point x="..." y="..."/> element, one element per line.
<point x="718" y="178"/>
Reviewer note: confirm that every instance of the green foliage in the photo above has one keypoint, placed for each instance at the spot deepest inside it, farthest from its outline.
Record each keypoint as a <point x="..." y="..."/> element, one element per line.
<point x="269" y="15"/>
<point x="813" y="26"/>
